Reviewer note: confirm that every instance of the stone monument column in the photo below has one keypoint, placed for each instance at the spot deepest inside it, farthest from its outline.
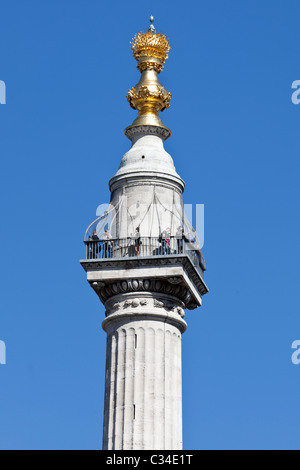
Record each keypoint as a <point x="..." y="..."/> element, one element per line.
<point x="146" y="276"/>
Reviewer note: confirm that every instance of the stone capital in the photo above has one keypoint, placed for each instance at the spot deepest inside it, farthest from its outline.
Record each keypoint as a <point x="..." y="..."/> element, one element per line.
<point x="131" y="307"/>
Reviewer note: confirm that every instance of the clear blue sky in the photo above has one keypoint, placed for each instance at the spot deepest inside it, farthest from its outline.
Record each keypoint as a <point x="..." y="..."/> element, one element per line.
<point x="235" y="141"/>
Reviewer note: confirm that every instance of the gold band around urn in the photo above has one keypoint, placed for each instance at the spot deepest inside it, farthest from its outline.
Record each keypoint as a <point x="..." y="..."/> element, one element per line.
<point x="149" y="101"/>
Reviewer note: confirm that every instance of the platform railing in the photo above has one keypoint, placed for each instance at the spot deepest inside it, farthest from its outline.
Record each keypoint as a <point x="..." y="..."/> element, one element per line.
<point x="144" y="247"/>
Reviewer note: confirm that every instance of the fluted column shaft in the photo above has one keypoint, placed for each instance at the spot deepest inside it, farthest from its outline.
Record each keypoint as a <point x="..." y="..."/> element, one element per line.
<point x="143" y="388"/>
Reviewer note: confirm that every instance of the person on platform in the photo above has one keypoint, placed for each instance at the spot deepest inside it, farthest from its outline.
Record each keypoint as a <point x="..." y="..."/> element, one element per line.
<point x="107" y="244"/>
<point x="137" y="241"/>
<point x="166" y="241"/>
<point x="179" y="238"/>
<point x="94" y="247"/>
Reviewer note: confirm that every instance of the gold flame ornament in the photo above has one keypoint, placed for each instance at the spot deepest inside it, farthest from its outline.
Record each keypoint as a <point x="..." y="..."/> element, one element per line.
<point x="149" y="97"/>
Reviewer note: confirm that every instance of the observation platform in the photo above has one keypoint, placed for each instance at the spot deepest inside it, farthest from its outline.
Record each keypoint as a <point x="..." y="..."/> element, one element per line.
<point x="128" y="264"/>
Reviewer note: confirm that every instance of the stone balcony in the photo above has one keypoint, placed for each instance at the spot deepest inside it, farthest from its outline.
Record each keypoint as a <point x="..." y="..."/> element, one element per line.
<point x="174" y="267"/>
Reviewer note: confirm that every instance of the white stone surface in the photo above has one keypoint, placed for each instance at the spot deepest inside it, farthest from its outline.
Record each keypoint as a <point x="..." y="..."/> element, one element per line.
<point x="143" y="391"/>
<point x="146" y="190"/>
<point x="156" y="159"/>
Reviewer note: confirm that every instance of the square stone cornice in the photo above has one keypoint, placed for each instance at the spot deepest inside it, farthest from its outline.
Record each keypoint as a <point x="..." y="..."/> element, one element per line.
<point x="177" y="270"/>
